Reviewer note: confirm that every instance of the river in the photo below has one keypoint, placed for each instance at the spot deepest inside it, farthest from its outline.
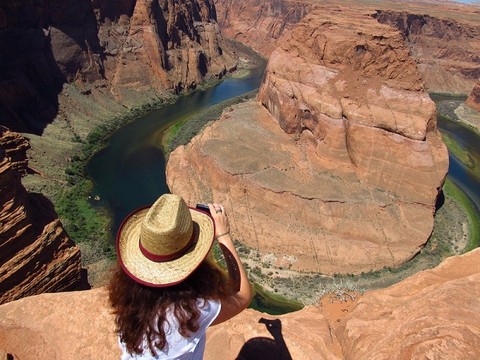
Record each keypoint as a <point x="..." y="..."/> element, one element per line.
<point x="130" y="171"/>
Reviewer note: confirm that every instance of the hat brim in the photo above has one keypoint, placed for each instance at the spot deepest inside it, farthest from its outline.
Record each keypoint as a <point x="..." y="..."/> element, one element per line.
<point x="168" y="273"/>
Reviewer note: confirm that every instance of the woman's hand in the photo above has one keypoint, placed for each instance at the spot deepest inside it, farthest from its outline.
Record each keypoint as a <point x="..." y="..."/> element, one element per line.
<point x="241" y="290"/>
<point x="219" y="216"/>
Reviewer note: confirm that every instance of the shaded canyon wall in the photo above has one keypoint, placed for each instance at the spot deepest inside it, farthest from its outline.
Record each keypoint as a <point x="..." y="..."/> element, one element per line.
<point x="131" y="51"/>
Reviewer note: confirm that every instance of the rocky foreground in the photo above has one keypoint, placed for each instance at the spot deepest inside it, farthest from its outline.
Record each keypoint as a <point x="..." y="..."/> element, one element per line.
<point x="337" y="165"/>
<point x="433" y="314"/>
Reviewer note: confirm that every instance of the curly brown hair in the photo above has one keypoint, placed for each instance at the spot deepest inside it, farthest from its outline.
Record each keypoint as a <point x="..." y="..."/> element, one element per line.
<point x="142" y="311"/>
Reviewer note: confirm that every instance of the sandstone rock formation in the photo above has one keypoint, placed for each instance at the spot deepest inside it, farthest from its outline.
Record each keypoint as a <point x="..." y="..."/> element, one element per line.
<point x="434" y="314"/>
<point x="338" y="168"/>
<point x="473" y="100"/>
<point x="447" y="50"/>
<point x="131" y="51"/>
<point x="259" y="24"/>
<point x="36" y="255"/>
<point x="442" y="36"/>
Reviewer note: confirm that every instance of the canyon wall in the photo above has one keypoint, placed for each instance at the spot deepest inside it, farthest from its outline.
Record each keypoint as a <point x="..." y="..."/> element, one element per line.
<point x="337" y="167"/>
<point x="66" y="68"/>
<point x="36" y="255"/>
<point x="445" y="44"/>
<point x="130" y="51"/>
<point x="434" y="314"/>
<point x="448" y="51"/>
<point x="259" y="24"/>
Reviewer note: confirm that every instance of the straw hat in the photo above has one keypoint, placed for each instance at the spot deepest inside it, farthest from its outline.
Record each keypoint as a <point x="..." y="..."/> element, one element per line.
<point x="162" y="245"/>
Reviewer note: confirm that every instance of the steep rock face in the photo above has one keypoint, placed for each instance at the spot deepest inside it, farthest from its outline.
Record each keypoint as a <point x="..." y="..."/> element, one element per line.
<point x="36" y="255"/>
<point x="164" y="44"/>
<point x="125" y="48"/>
<point x="433" y="314"/>
<point x="259" y="24"/>
<point x="340" y="169"/>
<point x="448" y="51"/>
<point x="445" y="48"/>
<point x="473" y="100"/>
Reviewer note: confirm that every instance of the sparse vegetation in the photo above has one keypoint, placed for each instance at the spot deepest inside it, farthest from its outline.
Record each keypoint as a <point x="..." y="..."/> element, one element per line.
<point x="90" y="226"/>
<point x="182" y="132"/>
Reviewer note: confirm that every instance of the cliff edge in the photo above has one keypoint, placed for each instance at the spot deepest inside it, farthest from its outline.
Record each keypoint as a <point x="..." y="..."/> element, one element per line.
<point x="433" y="314"/>
<point x="36" y="254"/>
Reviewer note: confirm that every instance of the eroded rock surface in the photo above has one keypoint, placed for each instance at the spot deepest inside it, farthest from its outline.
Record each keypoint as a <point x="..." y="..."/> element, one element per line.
<point x="259" y="24"/>
<point x="337" y="167"/>
<point x="442" y="36"/>
<point x="434" y="314"/>
<point x="447" y="50"/>
<point x="132" y="52"/>
<point x="36" y="255"/>
<point x="473" y="100"/>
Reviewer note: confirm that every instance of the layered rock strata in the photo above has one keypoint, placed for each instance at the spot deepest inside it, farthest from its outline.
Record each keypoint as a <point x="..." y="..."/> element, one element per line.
<point x="130" y="51"/>
<point x="36" y="255"/>
<point x="338" y="166"/>
<point x="259" y="24"/>
<point x="434" y="314"/>
<point x="448" y="51"/>
<point x="442" y="36"/>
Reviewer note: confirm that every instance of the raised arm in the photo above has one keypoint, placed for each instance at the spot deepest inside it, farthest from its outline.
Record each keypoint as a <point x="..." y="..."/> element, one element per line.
<point x="242" y="292"/>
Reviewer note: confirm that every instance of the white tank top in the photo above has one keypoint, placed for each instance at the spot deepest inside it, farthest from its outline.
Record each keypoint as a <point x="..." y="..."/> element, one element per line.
<point x="179" y="347"/>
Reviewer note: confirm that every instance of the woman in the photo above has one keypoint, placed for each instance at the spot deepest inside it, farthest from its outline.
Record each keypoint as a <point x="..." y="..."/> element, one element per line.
<point x="167" y="290"/>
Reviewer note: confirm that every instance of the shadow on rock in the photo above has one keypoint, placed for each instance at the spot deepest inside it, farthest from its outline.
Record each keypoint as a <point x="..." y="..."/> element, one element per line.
<point x="266" y="348"/>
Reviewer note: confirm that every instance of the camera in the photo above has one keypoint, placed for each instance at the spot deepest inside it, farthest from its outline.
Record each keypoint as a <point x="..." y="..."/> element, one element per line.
<point x="203" y="207"/>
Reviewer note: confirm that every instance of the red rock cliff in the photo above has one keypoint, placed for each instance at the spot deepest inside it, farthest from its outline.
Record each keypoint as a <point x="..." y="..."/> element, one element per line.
<point x="448" y="51"/>
<point x="444" y="43"/>
<point x="259" y="24"/>
<point x="36" y="255"/>
<point x="337" y="168"/>
<point x="474" y="98"/>
<point x="130" y="50"/>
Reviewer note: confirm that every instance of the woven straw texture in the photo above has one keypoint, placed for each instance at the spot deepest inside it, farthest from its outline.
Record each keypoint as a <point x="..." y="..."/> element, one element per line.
<point x="166" y="273"/>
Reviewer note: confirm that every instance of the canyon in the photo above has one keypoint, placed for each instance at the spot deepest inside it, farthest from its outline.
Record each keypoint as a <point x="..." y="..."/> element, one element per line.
<point x="334" y="168"/>
<point x="68" y="67"/>
<point x="337" y="166"/>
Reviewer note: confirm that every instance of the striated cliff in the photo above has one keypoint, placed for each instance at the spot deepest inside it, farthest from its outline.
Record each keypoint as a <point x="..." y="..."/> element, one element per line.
<point x="259" y="24"/>
<point x="448" y="51"/>
<point x="36" y="255"/>
<point x="130" y="51"/>
<point x="434" y="314"/>
<point x="442" y="36"/>
<point x="67" y="68"/>
<point x="337" y="167"/>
